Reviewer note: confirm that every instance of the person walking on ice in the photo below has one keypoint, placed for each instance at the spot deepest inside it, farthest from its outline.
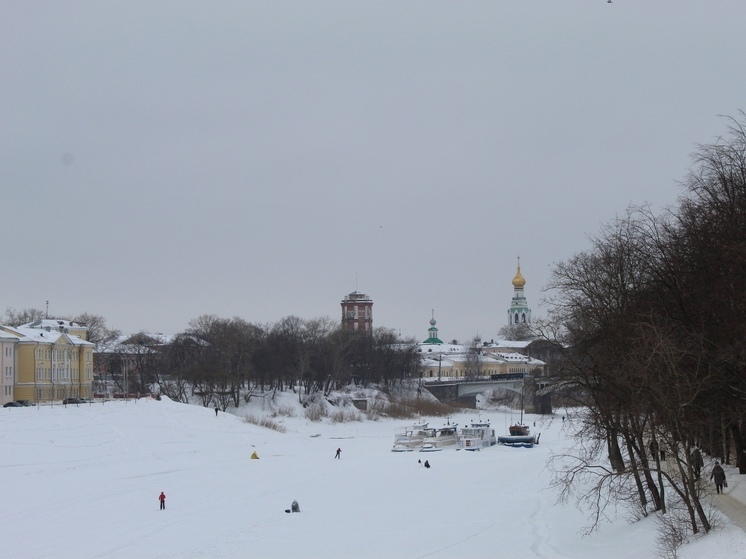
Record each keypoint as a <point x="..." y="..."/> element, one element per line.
<point x="718" y="476"/>
<point x="162" y="499"/>
<point x="339" y="453"/>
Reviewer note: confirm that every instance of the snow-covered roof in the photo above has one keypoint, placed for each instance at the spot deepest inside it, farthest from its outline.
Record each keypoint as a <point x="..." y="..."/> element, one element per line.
<point x="157" y="337"/>
<point x="440" y="348"/>
<point x="508" y="344"/>
<point x="42" y="335"/>
<point x="128" y="344"/>
<point x="7" y="337"/>
<point x="444" y="363"/>
<point x="512" y="357"/>
<point x="54" y="323"/>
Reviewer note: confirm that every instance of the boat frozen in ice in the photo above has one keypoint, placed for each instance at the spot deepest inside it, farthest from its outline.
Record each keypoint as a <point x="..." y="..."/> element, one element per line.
<point x="526" y="441"/>
<point x="410" y="438"/>
<point x="440" y="438"/>
<point x="476" y="436"/>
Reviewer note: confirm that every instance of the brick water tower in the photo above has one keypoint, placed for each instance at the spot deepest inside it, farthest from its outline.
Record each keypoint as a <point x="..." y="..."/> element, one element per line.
<point x="357" y="312"/>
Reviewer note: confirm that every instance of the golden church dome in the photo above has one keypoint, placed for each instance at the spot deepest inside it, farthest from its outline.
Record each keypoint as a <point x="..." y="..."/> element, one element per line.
<point x="519" y="281"/>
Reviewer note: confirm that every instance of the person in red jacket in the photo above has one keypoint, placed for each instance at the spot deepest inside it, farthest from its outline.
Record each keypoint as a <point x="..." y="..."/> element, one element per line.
<point x="162" y="499"/>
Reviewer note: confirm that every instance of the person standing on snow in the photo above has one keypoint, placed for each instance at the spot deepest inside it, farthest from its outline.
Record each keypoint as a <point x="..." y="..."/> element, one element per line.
<point x="339" y="453"/>
<point x="162" y="499"/>
<point x="718" y="476"/>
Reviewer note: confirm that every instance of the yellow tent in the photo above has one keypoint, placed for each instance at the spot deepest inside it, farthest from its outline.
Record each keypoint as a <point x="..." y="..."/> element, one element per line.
<point x="254" y="456"/>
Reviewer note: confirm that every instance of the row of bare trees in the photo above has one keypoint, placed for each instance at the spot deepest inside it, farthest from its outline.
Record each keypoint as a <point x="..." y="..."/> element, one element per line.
<point x="650" y="323"/>
<point x="223" y="360"/>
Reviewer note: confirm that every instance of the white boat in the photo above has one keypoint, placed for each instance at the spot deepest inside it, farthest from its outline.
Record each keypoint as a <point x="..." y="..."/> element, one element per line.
<point x="410" y="437"/>
<point x="476" y="436"/>
<point x="443" y="437"/>
<point x="430" y="447"/>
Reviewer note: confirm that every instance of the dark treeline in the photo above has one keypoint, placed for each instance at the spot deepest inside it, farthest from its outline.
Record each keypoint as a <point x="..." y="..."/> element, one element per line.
<point x="223" y="360"/>
<point x="651" y="325"/>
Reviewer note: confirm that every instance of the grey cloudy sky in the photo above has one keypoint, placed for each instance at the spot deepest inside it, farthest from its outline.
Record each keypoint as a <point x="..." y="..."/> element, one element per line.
<point x="165" y="159"/>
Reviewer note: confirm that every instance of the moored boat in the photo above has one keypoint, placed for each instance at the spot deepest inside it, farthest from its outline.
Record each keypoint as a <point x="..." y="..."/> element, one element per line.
<point x="476" y="436"/>
<point x="526" y="441"/>
<point x="442" y="437"/>
<point x="519" y="430"/>
<point x="408" y="439"/>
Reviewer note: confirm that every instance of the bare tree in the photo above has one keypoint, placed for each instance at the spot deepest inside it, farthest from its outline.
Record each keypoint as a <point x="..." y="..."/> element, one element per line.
<point x="98" y="332"/>
<point x="15" y="317"/>
<point x="521" y="331"/>
<point x="473" y="361"/>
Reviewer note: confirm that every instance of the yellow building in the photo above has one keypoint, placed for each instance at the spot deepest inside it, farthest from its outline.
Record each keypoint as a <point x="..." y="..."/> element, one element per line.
<point x="54" y="361"/>
<point x="454" y="361"/>
<point x="8" y="344"/>
<point x="460" y="365"/>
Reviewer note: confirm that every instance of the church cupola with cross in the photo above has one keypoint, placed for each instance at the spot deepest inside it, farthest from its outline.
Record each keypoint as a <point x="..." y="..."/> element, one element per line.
<point x="519" y="313"/>
<point x="432" y="333"/>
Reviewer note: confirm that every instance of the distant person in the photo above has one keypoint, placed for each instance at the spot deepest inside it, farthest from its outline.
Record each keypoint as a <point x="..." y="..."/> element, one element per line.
<point x="697" y="462"/>
<point x="427" y="464"/>
<point x="162" y="499"/>
<point x="216" y="411"/>
<point x="339" y="453"/>
<point x="718" y="476"/>
<point x="654" y="449"/>
<point x="294" y="507"/>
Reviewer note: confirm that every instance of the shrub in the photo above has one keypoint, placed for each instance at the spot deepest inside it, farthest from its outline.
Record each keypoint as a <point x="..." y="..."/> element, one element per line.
<point x="265" y="422"/>
<point x="315" y="412"/>
<point x="344" y="416"/>
<point x="406" y="407"/>
<point x="284" y="411"/>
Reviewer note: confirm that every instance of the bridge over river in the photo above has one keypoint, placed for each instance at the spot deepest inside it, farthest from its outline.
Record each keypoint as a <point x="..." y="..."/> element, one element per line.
<point x="465" y="391"/>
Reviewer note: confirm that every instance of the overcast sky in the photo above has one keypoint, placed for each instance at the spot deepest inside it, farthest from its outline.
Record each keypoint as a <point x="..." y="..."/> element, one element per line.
<point x="163" y="160"/>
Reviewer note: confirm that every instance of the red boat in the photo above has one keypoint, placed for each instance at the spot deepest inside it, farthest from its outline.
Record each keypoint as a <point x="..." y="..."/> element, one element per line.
<point x="518" y="430"/>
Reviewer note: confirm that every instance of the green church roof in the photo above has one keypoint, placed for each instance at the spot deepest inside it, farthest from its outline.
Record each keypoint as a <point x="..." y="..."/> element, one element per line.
<point x="433" y="340"/>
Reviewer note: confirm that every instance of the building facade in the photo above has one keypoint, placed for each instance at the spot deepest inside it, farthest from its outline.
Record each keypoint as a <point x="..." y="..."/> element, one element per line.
<point x="8" y="367"/>
<point x="440" y="360"/>
<point x="463" y="365"/>
<point x="53" y="361"/>
<point x="357" y="312"/>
